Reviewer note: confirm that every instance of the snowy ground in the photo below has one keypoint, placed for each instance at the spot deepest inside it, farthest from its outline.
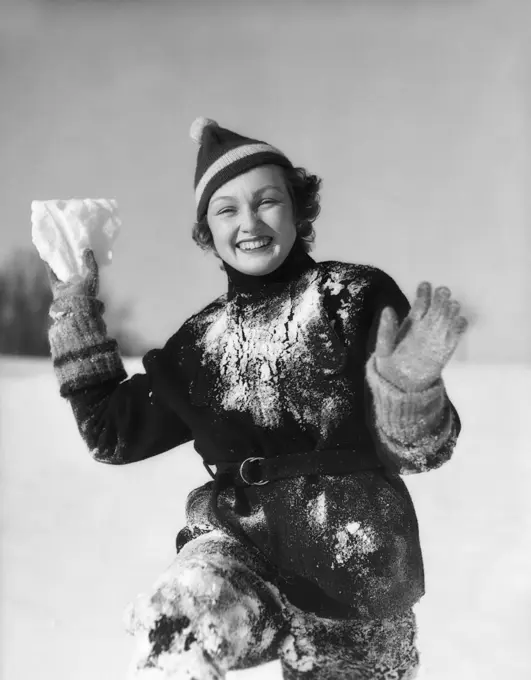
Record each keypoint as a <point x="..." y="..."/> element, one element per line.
<point x="79" y="539"/>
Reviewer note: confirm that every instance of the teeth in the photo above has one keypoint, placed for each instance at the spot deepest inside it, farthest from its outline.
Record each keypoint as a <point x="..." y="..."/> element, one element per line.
<point x="253" y="245"/>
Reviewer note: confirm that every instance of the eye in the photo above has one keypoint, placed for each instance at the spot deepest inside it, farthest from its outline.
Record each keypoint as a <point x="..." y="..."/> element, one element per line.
<point x="226" y="211"/>
<point x="268" y="201"/>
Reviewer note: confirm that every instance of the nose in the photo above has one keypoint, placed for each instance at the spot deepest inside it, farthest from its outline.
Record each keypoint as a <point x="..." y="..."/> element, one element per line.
<point x="249" y="219"/>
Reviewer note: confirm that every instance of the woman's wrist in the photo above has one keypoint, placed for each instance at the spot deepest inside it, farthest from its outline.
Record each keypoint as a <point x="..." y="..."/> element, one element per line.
<point x="76" y="303"/>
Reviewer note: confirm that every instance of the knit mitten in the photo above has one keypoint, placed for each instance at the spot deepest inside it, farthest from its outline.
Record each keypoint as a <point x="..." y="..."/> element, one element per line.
<point x="83" y="355"/>
<point x="413" y="356"/>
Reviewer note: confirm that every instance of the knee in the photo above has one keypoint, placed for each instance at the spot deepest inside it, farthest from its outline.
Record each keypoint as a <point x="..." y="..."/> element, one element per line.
<point x="211" y="600"/>
<point x="229" y="612"/>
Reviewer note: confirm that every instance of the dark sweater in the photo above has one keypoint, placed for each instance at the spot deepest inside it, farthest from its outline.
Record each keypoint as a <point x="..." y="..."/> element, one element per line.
<point x="280" y="364"/>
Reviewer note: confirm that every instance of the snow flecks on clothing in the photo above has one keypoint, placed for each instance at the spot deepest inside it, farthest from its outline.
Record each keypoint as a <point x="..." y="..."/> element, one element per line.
<point x="269" y="633"/>
<point x="333" y="286"/>
<point x="384" y="648"/>
<point x="340" y="284"/>
<point x="355" y="287"/>
<point x="260" y="356"/>
<point x="343" y="314"/>
<point x="296" y="656"/>
<point x="353" y="540"/>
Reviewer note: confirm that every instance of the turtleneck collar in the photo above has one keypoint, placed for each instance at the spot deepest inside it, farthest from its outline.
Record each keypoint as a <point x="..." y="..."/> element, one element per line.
<point x="296" y="262"/>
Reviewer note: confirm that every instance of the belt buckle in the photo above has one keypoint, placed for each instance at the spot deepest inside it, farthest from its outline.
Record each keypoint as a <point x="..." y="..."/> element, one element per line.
<point x="242" y="475"/>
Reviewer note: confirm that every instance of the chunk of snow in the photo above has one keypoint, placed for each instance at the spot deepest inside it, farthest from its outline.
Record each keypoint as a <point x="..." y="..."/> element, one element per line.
<point x="63" y="229"/>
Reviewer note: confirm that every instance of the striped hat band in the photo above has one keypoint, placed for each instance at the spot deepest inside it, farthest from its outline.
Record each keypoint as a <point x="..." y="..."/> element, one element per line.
<point x="234" y="162"/>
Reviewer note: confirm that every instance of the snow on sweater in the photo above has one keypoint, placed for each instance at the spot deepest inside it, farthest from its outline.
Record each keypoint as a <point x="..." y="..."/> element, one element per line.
<point x="280" y="364"/>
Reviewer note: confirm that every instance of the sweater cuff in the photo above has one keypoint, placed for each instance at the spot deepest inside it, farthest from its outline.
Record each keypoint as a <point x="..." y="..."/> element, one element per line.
<point x="82" y="353"/>
<point x="405" y="416"/>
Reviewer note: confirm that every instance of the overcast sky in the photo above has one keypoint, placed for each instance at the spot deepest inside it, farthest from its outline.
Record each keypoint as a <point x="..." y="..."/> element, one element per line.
<point x="414" y="113"/>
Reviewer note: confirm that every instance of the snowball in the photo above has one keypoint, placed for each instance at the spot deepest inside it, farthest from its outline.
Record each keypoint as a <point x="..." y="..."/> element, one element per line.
<point x="63" y="229"/>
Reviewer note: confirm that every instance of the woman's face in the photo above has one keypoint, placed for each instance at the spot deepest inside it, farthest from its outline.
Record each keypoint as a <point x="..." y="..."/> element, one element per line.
<point x="251" y="220"/>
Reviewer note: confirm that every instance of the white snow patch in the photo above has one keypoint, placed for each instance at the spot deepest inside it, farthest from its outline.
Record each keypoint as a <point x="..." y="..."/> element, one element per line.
<point x="334" y="287"/>
<point x="343" y="314"/>
<point x="354" y="539"/>
<point x="318" y="509"/>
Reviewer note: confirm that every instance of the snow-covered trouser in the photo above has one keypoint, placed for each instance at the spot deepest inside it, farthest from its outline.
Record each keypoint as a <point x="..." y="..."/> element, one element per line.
<point x="212" y="611"/>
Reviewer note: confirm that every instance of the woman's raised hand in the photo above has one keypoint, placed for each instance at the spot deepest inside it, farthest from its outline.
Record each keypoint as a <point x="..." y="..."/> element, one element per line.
<point x="65" y="293"/>
<point x="87" y="286"/>
<point x="413" y="355"/>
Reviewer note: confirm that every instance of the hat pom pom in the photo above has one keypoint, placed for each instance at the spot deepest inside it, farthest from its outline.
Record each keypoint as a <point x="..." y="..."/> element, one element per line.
<point x="198" y="127"/>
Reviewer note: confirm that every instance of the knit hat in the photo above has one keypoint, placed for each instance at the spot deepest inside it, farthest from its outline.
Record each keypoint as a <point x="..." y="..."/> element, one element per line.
<point x="223" y="155"/>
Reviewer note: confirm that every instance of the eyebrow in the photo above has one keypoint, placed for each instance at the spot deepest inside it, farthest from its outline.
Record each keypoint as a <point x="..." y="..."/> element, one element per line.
<point x="258" y="192"/>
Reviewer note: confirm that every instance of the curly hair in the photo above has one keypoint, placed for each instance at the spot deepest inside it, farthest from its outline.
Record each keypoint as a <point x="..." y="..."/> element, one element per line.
<point x="303" y="189"/>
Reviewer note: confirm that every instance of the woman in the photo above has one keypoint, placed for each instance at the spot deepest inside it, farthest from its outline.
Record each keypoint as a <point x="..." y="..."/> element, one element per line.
<point x="310" y="388"/>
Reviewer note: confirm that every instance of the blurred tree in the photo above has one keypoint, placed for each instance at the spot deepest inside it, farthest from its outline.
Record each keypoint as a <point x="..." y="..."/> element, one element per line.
<point x="25" y="299"/>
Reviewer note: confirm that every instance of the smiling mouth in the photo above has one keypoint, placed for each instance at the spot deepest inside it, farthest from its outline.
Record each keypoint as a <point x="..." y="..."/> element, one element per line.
<point x="255" y="244"/>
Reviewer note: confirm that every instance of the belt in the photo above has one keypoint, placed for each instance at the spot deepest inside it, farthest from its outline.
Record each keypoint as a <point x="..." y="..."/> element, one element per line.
<point x="257" y="471"/>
